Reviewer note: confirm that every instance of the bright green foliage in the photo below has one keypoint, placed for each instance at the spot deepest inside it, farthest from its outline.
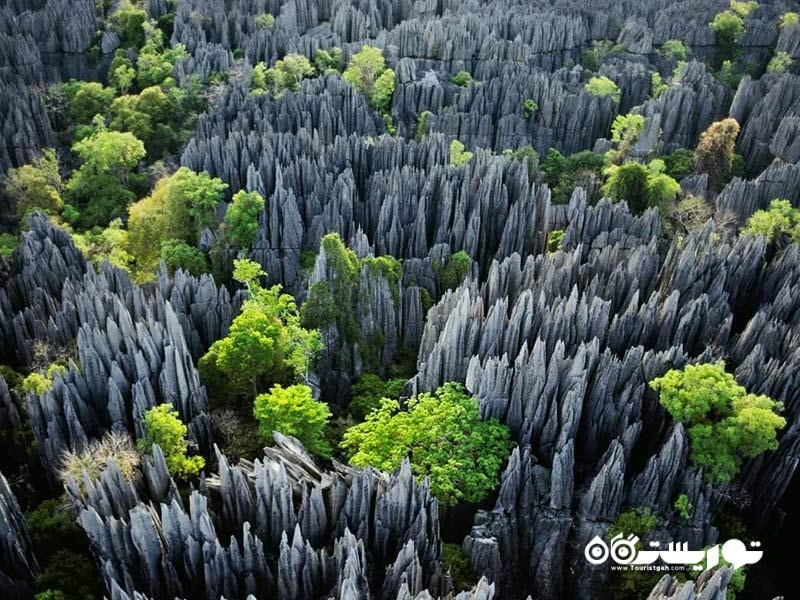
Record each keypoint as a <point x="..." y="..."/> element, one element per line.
<point x="121" y="72"/>
<point x="789" y="19"/>
<point x="285" y="75"/>
<point x="462" y="78"/>
<point x="326" y="61"/>
<point x="163" y="426"/>
<point x="241" y="219"/>
<point x="8" y="243"/>
<point x="328" y="300"/>
<point x="657" y="85"/>
<point x="265" y="21"/>
<point x="266" y="342"/>
<point x="453" y="272"/>
<point x="641" y="186"/>
<point x="458" y="156"/>
<point x="90" y="98"/>
<point x="675" y="49"/>
<point x="39" y="383"/>
<point x="727" y="26"/>
<point x="714" y="154"/>
<point x="780" y="220"/>
<point x="555" y="241"/>
<point x="725" y="424"/>
<point x="156" y="62"/>
<point x="456" y="562"/>
<point x="364" y="69"/>
<point x="177" y="254"/>
<point x="128" y="23"/>
<point x="381" y="97"/>
<point x="730" y="74"/>
<point x="180" y="207"/>
<point x="421" y="129"/>
<point x="444" y="437"/>
<point x="564" y="174"/>
<point x="743" y="8"/>
<point x="368" y="392"/>
<point x="679" y="163"/>
<point x="100" y="185"/>
<point x="153" y="116"/>
<point x="529" y="107"/>
<point x="36" y="186"/>
<point x="780" y="63"/>
<point x="625" y="130"/>
<point x="111" y="244"/>
<point x="603" y="86"/>
<point x="293" y="411"/>
<point x="684" y="507"/>
<point x="367" y="73"/>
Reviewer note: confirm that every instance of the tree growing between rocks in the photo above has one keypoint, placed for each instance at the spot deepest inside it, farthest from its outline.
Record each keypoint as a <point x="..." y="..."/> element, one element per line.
<point x="725" y="424"/>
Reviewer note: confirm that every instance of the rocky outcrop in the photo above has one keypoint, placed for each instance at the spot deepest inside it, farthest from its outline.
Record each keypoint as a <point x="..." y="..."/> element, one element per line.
<point x="18" y="567"/>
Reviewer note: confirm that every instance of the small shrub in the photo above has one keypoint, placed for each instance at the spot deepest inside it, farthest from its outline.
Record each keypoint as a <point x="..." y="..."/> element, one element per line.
<point x="421" y="130"/>
<point x="789" y="19"/>
<point x="293" y="411"/>
<point x="555" y="241"/>
<point x="265" y="21"/>
<point x="462" y="78"/>
<point x="603" y="86"/>
<point x="684" y="507"/>
<point x="8" y="243"/>
<point x="780" y="63"/>
<point x="675" y="49"/>
<point x="458" y="156"/>
<point x="529" y="107"/>
<point x="163" y="426"/>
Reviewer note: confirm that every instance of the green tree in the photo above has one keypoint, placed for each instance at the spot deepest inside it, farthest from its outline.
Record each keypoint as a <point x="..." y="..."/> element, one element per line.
<point x="90" y="98"/>
<point x="121" y="72"/>
<point x="164" y="427"/>
<point x="180" y="207"/>
<point x="100" y="185"/>
<point x="529" y="107"/>
<point x="266" y="342"/>
<point x="633" y="585"/>
<point x="628" y="182"/>
<point x="368" y="392"/>
<point x="462" y="78"/>
<point x="555" y="241"/>
<point x="453" y="272"/>
<point x="293" y="411"/>
<point x="177" y="254"/>
<point x="679" y="163"/>
<point x="675" y="49"/>
<point x="625" y="131"/>
<point x="743" y="9"/>
<point x="725" y="424"/>
<point x="36" y="186"/>
<point x="789" y="19"/>
<point x="444" y="437"/>
<point x="326" y="61"/>
<point x="241" y="219"/>
<point x="265" y="21"/>
<point x="364" y="69"/>
<point x="714" y="153"/>
<point x="128" y="23"/>
<point x="603" y="86"/>
<point x="458" y="156"/>
<point x="780" y="63"/>
<point x="684" y="507"/>
<point x="381" y="96"/>
<point x="727" y="27"/>
<point x="780" y="220"/>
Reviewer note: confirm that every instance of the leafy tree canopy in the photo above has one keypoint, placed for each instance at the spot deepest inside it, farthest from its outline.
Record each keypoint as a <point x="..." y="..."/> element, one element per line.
<point x="603" y="86"/>
<point x="444" y="437"/>
<point x="725" y="424"/>
<point x="36" y="186"/>
<point x="293" y="411"/>
<point x="164" y="427"/>
<point x="241" y="219"/>
<point x="714" y="154"/>
<point x="780" y="220"/>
